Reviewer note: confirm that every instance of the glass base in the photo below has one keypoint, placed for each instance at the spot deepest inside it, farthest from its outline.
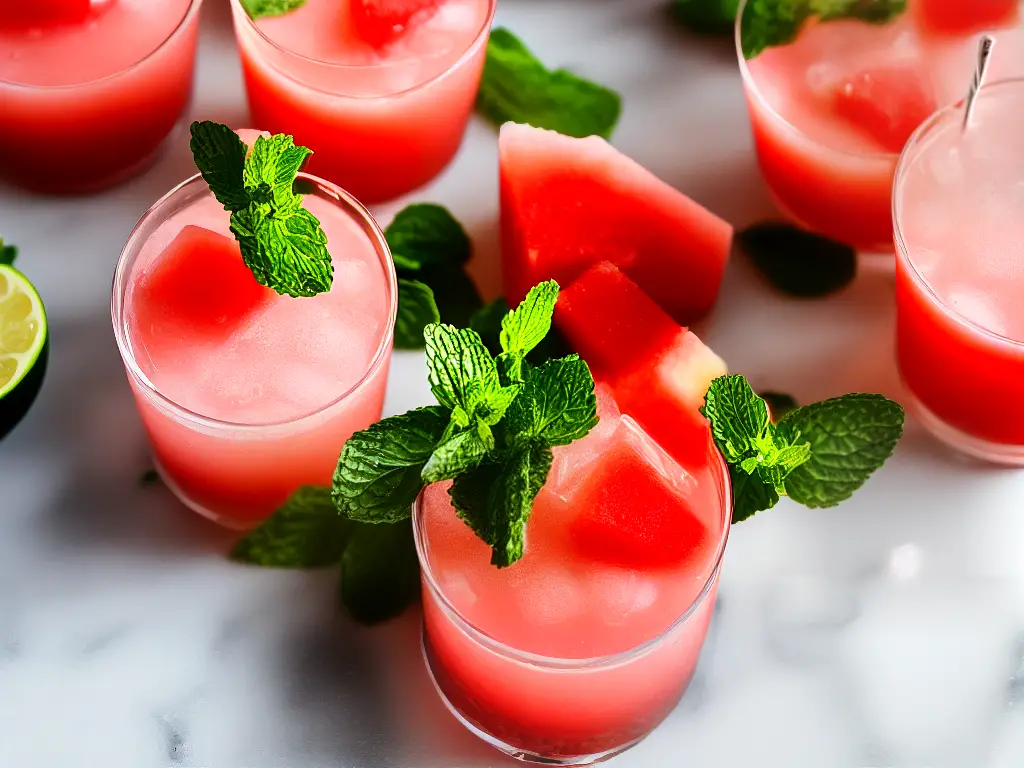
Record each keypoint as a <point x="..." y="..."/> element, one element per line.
<point x="978" y="448"/>
<point x="517" y="753"/>
<point x="214" y="517"/>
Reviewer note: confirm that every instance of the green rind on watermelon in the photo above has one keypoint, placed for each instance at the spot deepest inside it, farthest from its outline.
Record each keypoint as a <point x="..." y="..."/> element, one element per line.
<point x="567" y="204"/>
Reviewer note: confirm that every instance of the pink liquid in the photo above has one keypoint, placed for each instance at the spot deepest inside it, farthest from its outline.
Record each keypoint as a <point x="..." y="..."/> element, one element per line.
<point x="960" y="276"/>
<point x="381" y="121"/>
<point x="563" y="606"/>
<point x="85" y="104"/>
<point x="239" y="423"/>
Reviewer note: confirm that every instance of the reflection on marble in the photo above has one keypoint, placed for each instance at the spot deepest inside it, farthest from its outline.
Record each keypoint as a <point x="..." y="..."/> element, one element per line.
<point x="884" y="634"/>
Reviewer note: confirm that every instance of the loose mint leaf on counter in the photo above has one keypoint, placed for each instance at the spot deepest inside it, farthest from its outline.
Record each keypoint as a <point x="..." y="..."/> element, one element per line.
<point x="517" y="87"/>
<point x="378" y="473"/>
<point x="852" y="436"/>
<point x="424" y="235"/>
<point x="258" y="9"/>
<point x="8" y="253"/>
<point x="706" y="17"/>
<point x="380" y="573"/>
<point x="416" y="310"/>
<point x="306" y="532"/>
<point x="796" y="262"/>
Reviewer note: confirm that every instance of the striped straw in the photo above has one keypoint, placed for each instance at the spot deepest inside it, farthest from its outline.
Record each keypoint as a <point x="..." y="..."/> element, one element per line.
<point x="984" y="54"/>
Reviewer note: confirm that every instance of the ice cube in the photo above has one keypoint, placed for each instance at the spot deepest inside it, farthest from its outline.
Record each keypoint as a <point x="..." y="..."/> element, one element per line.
<point x="619" y="594"/>
<point x="457" y="587"/>
<point x="977" y="307"/>
<point x="573" y="463"/>
<point x="546" y="594"/>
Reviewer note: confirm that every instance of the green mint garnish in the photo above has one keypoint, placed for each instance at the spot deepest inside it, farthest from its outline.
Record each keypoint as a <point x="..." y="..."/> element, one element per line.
<point x="779" y="403"/>
<point x="706" y="17"/>
<point x="487" y="322"/>
<point x="796" y="262"/>
<point x="492" y="433"/>
<point x="818" y="455"/>
<point x="430" y="248"/>
<point x="282" y="243"/>
<point x="517" y="87"/>
<point x="380" y="573"/>
<point x="8" y="253"/>
<point x="767" y="23"/>
<point x="257" y="9"/>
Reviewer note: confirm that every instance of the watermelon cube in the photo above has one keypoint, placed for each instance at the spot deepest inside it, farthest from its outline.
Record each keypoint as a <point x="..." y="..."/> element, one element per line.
<point x="569" y="203"/>
<point x="43" y="12"/>
<point x="886" y="104"/>
<point x="636" y="508"/>
<point x="196" y="292"/>
<point x="379" y="22"/>
<point x="657" y="370"/>
<point x="963" y="17"/>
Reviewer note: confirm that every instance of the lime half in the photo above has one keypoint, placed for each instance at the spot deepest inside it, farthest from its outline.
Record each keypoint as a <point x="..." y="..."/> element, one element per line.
<point x="24" y="346"/>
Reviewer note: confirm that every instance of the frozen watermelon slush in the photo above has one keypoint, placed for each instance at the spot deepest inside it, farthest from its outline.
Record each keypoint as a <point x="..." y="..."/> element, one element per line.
<point x="582" y="648"/>
<point x="90" y="90"/>
<point x="246" y="394"/>
<point x="380" y="90"/>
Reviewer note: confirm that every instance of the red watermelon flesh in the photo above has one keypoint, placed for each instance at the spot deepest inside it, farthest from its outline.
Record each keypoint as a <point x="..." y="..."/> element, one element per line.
<point x="636" y="508"/>
<point x="197" y="292"/>
<point x="380" y="22"/>
<point x="657" y="370"/>
<point x="568" y="203"/>
<point x="18" y="13"/>
<point x="887" y="104"/>
<point x="963" y="17"/>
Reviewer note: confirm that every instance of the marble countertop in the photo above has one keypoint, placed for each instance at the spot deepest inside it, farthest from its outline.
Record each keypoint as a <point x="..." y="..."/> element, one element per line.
<point x="886" y="633"/>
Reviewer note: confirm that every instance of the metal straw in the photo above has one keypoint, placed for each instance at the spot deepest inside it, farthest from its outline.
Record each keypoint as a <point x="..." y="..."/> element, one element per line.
<point x="984" y="54"/>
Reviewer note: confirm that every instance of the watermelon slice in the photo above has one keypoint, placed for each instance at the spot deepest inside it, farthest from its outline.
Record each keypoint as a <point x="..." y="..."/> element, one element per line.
<point x="198" y="291"/>
<point x="657" y="370"/>
<point x="380" y="22"/>
<point x="963" y="17"/>
<point x="568" y="203"/>
<point x="43" y="12"/>
<point x="887" y="104"/>
<point x="634" y="508"/>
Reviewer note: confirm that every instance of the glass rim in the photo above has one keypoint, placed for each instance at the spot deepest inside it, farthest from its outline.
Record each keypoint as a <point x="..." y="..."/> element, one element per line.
<point x="480" y="35"/>
<point x="122" y="273"/>
<point x="190" y="13"/>
<point x="751" y="84"/>
<point x="907" y="158"/>
<point x="594" y="662"/>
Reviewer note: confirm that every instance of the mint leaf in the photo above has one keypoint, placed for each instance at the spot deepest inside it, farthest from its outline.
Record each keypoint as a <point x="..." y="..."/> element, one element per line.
<point x="306" y="532"/>
<point x="707" y="17"/>
<point x="8" y="253"/>
<point x="460" y="453"/>
<point x="739" y="418"/>
<point x="750" y="494"/>
<point x="517" y="87"/>
<point x="220" y="156"/>
<point x="796" y="262"/>
<point x="557" y="405"/>
<point x="454" y="291"/>
<point x="779" y="403"/>
<point x="527" y="325"/>
<point x="380" y="573"/>
<point x="378" y="473"/>
<point x="286" y="251"/>
<point x="851" y="437"/>
<point x="871" y="11"/>
<point x="271" y="169"/>
<point x="416" y="310"/>
<point x="425" y="235"/>
<point x="463" y="375"/>
<point x="258" y="9"/>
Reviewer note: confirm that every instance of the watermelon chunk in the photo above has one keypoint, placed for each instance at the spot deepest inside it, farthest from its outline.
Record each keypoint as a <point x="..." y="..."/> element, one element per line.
<point x="886" y="104"/>
<point x="635" y="508"/>
<point x="43" y="12"/>
<point x="380" y="22"/>
<point x="963" y="17"/>
<point x="198" y="291"/>
<point x="657" y="370"/>
<point x="568" y="203"/>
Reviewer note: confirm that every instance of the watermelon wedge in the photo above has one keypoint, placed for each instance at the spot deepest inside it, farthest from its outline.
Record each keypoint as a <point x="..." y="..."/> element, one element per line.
<point x="657" y="370"/>
<point x="380" y="22"/>
<point x="568" y="203"/>
<point x="886" y="104"/>
<point x="43" y="12"/>
<point x="964" y="17"/>
<point x="197" y="292"/>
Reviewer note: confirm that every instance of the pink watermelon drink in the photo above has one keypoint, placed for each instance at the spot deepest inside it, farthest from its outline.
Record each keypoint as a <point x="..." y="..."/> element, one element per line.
<point x="90" y="89"/>
<point x="381" y="90"/>
<point x="586" y="645"/>
<point x="956" y="204"/>
<point x="247" y="394"/>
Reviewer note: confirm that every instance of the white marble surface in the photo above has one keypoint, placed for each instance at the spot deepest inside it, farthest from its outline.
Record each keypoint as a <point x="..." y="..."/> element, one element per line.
<point x="885" y="633"/>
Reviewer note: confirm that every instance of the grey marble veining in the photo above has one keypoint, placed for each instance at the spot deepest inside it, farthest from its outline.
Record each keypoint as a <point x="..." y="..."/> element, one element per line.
<point x="885" y="633"/>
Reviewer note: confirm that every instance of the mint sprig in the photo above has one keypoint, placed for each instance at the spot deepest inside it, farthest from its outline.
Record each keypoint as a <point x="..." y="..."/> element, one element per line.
<point x="706" y="17"/>
<point x="768" y="23"/>
<point x="416" y="310"/>
<point x="517" y="87"/>
<point x="8" y="253"/>
<point x="258" y="9"/>
<point x="282" y="243"/>
<point x="818" y="455"/>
